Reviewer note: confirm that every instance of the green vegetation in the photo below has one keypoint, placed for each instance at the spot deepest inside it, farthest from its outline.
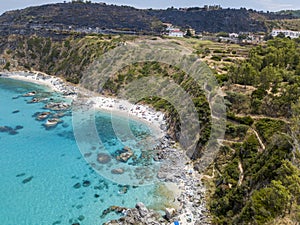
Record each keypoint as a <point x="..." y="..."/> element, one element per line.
<point x="260" y="184"/>
<point x="140" y="70"/>
<point x="257" y="179"/>
<point x="274" y="71"/>
<point x="67" y="58"/>
<point x="7" y="66"/>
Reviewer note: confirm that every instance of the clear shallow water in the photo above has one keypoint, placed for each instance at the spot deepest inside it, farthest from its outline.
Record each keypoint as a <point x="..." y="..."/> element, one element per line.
<point x="44" y="176"/>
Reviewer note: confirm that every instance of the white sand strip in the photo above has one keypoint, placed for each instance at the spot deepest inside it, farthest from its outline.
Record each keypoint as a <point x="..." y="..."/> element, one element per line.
<point x="156" y="120"/>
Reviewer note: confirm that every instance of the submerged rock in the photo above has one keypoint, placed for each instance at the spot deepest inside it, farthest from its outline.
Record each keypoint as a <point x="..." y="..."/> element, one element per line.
<point x="57" y="106"/>
<point x="117" y="171"/>
<point x="103" y="158"/>
<point x="125" y="155"/>
<point x="60" y="114"/>
<point x="19" y="127"/>
<point x="29" y="94"/>
<point x="10" y="130"/>
<point x="13" y="132"/>
<point x="88" y="154"/>
<point x="86" y="183"/>
<point x="43" y="115"/>
<point x="34" y="100"/>
<point x="81" y="217"/>
<point x="123" y="190"/>
<point x="20" y="175"/>
<point x="77" y="185"/>
<point x="52" y="122"/>
<point x="5" y="129"/>
<point x="28" y="179"/>
<point x="116" y="209"/>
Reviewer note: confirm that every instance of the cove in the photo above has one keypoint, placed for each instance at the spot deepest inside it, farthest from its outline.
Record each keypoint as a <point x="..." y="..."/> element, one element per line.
<point x="45" y="178"/>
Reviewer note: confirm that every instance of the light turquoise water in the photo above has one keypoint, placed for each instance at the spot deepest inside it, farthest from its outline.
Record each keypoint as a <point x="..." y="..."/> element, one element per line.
<point x="39" y="167"/>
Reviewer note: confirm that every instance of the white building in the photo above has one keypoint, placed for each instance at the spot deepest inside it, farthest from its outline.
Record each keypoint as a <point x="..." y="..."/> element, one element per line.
<point x="287" y="33"/>
<point x="175" y="33"/>
<point x="171" y="31"/>
<point x="233" y="35"/>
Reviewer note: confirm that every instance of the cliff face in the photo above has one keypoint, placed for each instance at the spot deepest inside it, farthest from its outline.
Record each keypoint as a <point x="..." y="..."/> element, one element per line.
<point x="123" y="18"/>
<point x="66" y="57"/>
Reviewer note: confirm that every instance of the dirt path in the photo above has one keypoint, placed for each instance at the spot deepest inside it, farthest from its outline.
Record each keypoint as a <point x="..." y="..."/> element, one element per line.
<point x="241" y="177"/>
<point x="258" y="138"/>
<point x="264" y="117"/>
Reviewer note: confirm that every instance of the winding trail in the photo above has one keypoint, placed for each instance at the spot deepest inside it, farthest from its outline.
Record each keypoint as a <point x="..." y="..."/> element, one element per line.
<point x="241" y="177"/>
<point x="259" y="139"/>
<point x="264" y="117"/>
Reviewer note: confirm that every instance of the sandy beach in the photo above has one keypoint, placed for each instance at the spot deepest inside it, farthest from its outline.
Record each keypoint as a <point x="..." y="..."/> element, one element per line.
<point x="156" y="120"/>
<point x="54" y="83"/>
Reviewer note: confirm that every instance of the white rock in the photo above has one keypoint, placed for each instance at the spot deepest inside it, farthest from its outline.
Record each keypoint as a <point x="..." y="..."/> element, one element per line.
<point x="170" y="213"/>
<point x="142" y="209"/>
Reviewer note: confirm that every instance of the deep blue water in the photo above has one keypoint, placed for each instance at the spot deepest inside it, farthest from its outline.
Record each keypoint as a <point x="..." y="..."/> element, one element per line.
<point x="45" y="177"/>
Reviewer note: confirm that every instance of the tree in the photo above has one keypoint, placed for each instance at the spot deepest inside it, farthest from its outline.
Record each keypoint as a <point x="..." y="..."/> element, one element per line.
<point x="281" y="35"/>
<point x="268" y="203"/>
<point x="188" y="33"/>
<point x="289" y="175"/>
<point x="7" y="66"/>
<point x="295" y="129"/>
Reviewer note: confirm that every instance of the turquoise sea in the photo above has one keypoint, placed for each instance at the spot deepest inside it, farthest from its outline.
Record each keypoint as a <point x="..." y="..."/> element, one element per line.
<point x="46" y="179"/>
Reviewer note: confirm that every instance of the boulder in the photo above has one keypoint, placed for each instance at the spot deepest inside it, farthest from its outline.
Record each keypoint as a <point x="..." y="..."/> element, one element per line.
<point x="143" y="211"/>
<point x="126" y="154"/>
<point x="29" y="94"/>
<point x="170" y="213"/>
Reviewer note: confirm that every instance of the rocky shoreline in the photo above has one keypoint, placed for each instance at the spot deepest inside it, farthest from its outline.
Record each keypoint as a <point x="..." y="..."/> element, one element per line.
<point x="176" y="167"/>
<point x="55" y="83"/>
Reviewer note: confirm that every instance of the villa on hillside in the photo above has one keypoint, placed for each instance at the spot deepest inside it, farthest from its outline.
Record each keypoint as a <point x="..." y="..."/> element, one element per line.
<point x="176" y="33"/>
<point x="172" y="31"/>
<point x="287" y="33"/>
<point x="233" y="35"/>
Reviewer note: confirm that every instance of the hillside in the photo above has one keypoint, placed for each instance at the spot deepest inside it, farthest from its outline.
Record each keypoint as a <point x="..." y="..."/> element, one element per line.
<point x="293" y="24"/>
<point x="255" y="177"/>
<point x="227" y="20"/>
<point x="100" y="16"/>
<point x="295" y="13"/>
<point x="79" y="15"/>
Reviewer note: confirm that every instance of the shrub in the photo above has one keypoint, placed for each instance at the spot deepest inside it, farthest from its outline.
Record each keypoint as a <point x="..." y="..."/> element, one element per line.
<point x="216" y="58"/>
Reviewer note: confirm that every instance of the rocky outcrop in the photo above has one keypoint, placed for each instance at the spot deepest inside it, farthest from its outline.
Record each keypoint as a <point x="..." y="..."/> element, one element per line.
<point x="57" y="106"/>
<point x="176" y="168"/>
<point x="125" y="154"/>
<point x="139" y="215"/>
<point x="170" y="213"/>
